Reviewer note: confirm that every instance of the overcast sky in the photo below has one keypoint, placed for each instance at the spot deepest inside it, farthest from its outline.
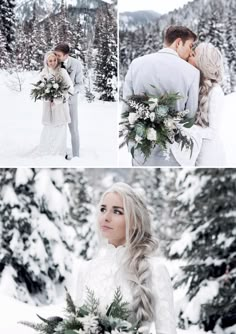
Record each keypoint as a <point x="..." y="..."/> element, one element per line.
<point x="160" y="6"/>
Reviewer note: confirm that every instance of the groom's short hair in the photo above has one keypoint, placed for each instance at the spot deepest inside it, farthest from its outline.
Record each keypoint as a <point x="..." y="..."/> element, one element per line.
<point x="174" y="32"/>
<point x="63" y="47"/>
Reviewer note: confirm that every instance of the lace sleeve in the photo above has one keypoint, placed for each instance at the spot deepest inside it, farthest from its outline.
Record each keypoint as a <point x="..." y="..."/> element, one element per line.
<point x="163" y="294"/>
<point x="78" y="289"/>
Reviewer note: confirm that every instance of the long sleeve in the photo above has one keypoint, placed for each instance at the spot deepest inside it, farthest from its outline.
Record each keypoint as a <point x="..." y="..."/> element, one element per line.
<point x="68" y="81"/>
<point x="128" y="90"/>
<point x="78" y="286"/>
<point x="213" y="151"/>
<point x="78" y="78"/>
<point x="192" y="102"/>
<point x="163" y="293"/>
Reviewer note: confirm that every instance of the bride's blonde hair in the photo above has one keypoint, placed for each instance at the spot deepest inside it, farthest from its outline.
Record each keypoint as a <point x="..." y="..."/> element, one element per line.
<point x="209" y="61"/>
<point x="140" y="243"/>
<point x="46" y="56"/>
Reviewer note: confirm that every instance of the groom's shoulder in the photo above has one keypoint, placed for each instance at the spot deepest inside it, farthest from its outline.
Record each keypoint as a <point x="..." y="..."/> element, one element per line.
<point x="144" y="59"/>
<point x="74" y="61"/>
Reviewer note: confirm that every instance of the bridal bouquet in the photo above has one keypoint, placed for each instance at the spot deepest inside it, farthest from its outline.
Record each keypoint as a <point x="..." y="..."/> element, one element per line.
<point x="88" y="320"/>
<point x="49" y="89"/>
<point x="152" y="120"/>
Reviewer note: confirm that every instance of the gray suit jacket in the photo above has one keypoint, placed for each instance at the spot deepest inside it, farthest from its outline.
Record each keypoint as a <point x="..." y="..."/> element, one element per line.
<point x="169" y="74"/>
<point x="75" y="70"/>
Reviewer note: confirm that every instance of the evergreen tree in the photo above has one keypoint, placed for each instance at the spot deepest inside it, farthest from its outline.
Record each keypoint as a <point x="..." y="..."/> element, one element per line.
<point x="35" y="255"/>
<point x="230" y="47"/>
<point x="81" y="212"/>
<point x="208" y="245"/>
<point x="77" y="42"/>
<point x="106" y="59"/>
<point x="63" y="32"/>
<point x="7" y="23"/>
<point x="3" y="52"/>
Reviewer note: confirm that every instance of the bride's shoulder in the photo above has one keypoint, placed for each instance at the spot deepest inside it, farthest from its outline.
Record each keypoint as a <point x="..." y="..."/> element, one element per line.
<point x="158" y="266"/>
<point x="81" y="266"/>
<point x="217" y="91"/>
<point x="63" y="71"/>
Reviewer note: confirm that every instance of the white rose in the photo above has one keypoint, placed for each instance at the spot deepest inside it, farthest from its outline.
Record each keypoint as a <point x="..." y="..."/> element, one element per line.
<point x="170" y="124"/>
<point x="152" y="116"/>
<point x="151" y="134"/>
<point x="154" y="103"/>
<point x="55" y="86"/>
<point x="132" y="117"/>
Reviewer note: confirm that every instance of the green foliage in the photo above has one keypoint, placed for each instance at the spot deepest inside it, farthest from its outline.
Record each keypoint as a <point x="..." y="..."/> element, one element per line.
<point x="91" y="304"/>
<point x="49" y="89"/>
<point x="118" y="308"/>
<point x="77" y="319"/>
<point x="158" y="115"/>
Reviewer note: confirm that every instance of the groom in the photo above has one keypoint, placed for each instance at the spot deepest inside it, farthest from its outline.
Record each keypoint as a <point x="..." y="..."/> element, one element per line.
<point x="169" y="71"/>
<point x="74" y="69"/>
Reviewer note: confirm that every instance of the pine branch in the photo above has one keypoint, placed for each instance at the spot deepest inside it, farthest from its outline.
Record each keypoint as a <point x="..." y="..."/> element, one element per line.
<point x="70" y="306"/>
<point x="118" y="308"/>
<point x="42" y="328"/>
<point x="91" y="304"/>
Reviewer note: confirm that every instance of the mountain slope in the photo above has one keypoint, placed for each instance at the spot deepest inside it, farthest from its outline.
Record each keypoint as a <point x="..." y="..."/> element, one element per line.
<point x="133" y="20"/>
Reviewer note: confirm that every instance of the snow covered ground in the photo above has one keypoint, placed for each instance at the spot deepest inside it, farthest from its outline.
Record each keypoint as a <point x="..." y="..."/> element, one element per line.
<point x="228" y="134"/>
<point x="20" y="128"/>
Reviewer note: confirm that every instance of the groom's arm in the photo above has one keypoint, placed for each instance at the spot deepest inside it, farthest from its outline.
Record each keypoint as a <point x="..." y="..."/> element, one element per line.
<point x="128" y="88"/>
<point x="192" y="102"/>
<point x="78" y="82"/>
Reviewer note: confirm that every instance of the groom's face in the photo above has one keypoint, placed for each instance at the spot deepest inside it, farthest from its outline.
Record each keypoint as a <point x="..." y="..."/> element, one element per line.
<point x="184" y="49"/>
<point x="61" y="56"/>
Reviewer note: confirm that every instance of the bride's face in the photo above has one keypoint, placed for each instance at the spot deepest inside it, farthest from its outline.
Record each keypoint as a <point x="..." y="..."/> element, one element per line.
<point x="112" y="220"/>
<point x="52" y="62"/>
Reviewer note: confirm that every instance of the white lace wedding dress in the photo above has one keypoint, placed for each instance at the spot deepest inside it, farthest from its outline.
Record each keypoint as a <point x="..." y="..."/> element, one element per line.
<point x="55" y="118"/>
<point x="103" y="275"/>
<point x="208" y="149"/>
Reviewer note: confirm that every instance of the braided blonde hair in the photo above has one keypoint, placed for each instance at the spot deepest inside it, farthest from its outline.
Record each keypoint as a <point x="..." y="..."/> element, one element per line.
<point x="140" y="244"/>
<point x="209" y="61"/>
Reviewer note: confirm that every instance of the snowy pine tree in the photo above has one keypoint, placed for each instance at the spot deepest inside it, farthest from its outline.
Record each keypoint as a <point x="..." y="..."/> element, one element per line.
<point x="7" y="23"/>
<point x="81" y="213"/>
<point x="3" y="52"/>
<point x="35" y="256"/>
<point x="208" y="245"/>
<point x="106" y="59"/>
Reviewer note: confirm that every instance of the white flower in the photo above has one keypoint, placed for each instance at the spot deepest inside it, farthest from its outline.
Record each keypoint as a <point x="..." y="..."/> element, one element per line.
<point x="169" y="123"/>
<point x="118" y="331"/>
<point x="90" y="323"/>
<point x="151" y="134"/>
<point x="41" y="85"/>
<point x="132" y="117"/>
<point x="152" y="116"/>
<point x="138" y="139"/>
<point x="47" y="90"/>
<point x="143" y="329"/>
<point x="154" y="103"/>
<point x="56" y="86"/>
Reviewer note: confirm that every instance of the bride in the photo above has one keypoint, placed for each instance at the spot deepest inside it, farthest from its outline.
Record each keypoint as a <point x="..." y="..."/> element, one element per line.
<point x="209" y="149"/>
<point x="56" y="114"/>
<point x="127" y="259"/>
